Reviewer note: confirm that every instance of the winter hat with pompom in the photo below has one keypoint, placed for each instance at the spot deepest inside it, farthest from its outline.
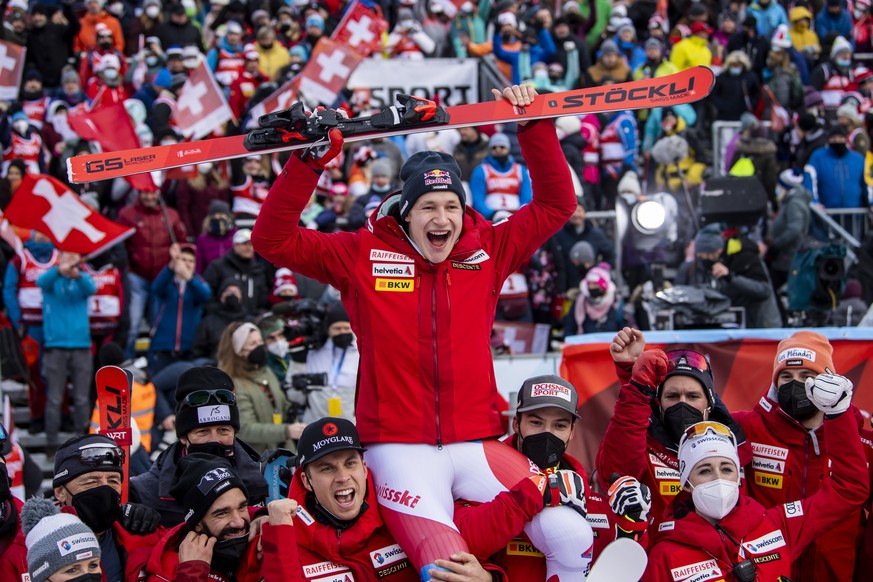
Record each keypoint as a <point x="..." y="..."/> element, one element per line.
<point x="54" y="540"/>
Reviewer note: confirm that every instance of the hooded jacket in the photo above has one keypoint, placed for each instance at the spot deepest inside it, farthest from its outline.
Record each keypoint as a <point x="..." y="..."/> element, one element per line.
<point x="153" y="488"/>
<point x="426" y="373"/>
<point x="180" y="307"/>
<point x="149" y="247"/>
<point x="773" y="538"/>
<point x="789" y="228"/>
<point x="250" y="274"/>
<point x="836" y="181"/>
<point x="790" y="463"/>
<point x="636" y="444"/>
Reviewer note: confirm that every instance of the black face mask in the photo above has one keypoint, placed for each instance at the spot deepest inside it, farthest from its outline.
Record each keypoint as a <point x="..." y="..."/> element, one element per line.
<point x="507" y="38"/>
<point x="219" y="226"/>
<point x="840" y="148"/>
<point x="32" y="95"/>
<point x="792" y="399"/>
<point x="105" y="45"/>
<point x="501" y="159"/>
<point x="212" y="448"/>
<point x="707" y="264"/>
<point x="94" y="577"/>
<point x="544" y="449"/>
<point x="258" y="356"/>
<point x="595" y="292"/>
<point x="232" y="303"/>
<point x="343" y="340"/>
<point x="5" y="490"/>
<point x="227" y="554"/>
<point x="679" y="417"/>
<point x="98" y="507"/>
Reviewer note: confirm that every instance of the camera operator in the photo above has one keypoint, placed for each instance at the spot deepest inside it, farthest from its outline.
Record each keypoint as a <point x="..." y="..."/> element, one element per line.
<point x="336" y="362"/>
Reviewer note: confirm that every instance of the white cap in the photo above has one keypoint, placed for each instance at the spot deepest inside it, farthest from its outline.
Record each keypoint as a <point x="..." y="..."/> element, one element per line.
<point x="505" y="18"/>
<point x="709" y="443"/>
<point x="242" y="236"/>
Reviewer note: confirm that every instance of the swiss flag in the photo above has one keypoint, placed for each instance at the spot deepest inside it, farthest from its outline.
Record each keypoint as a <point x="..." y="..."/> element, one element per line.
<point x="281" y="98"/>
<point x="361" y="28"/>
<point x="11" y="70"/>
<point x="327" y="71"/>
<point x="48" y="206"/>
<point x="111" y="127"/>
<point x="201" y="106"/>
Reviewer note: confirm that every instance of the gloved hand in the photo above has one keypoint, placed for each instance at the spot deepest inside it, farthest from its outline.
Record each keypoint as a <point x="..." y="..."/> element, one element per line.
<point x="139" y="519"/>
<point x="650" y="369"/>
<point x="317" y="157"/>
<point x="831" y="393"/>
<point x="630" y="499"/>
<point x="566" y="488"/>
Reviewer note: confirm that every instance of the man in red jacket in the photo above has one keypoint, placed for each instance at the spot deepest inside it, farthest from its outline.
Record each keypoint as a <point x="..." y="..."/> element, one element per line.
<point x="213" y="543"/>
<point x="791" y="459"/>
<point x="420" y="285"/>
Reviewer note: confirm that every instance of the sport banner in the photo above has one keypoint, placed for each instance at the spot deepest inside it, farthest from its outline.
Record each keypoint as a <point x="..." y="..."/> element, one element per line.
<point x="742" y="369"/>
<point x="450" y="81"/>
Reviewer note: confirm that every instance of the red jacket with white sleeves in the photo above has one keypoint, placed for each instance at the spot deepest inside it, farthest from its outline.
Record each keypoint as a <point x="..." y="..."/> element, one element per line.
<point x="423" y="330"/>
<point x="690" y="548"/>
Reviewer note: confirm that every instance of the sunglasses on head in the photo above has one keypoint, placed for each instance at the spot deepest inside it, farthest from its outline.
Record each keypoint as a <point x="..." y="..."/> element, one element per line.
<point x="679" y="359"/>
<point x="201" y="397"/>
<point x="708" y="427"/>
<point x="102" y="456"/>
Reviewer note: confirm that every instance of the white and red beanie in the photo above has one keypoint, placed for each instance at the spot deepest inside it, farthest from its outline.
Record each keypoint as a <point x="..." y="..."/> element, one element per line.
<point x="703" y="446"/>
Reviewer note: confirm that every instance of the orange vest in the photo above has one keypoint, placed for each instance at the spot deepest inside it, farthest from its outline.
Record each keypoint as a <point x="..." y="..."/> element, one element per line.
<point x="142" y="412"/>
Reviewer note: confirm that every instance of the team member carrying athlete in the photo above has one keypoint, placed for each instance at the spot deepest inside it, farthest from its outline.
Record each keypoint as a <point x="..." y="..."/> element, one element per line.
<point x="420" y="284"/>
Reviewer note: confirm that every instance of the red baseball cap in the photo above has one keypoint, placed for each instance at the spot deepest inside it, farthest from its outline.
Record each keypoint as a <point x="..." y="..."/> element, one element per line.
<point x="700" y="27"/>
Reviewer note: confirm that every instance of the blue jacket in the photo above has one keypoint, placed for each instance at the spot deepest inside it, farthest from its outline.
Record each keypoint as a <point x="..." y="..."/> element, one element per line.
<point x="65" y="309"/>
<point x="212" y="56"/>
<point x="825" y="23"/>
<point x="41" y="252"/>
<point x="478" y="190"/>
<point x="543" y="52"/>
<point x="769" y="17"/>
<point x="626" y="125"/>
<point x="633" y="52"/>
<point x="178" y="314"/>
<point x="836" y="182"/>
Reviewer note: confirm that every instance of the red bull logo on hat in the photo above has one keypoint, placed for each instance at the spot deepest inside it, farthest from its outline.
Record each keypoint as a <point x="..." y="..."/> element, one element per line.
<point x="437" y="176"/>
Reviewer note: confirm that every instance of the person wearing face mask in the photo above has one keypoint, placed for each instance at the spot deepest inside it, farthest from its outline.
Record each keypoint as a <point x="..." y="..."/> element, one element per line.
<point x="835" y="19"/>
<point x="107" y="87"/>
<point x="789" y="227"/>
<point x="34" y="100"/>
<point x="737" y="88"/>
<point x="338" y="357"/>
<point x="21" y="141"/>
<point x="217" y="318"/>
<point x="382" y="183"/>
<point x="796" y="456"/>
<point x="145" y="64"/>
<point x="662" y="394"/>
<point x="48" y="538"/>
<point x="721" y="533"/>
<point x="597" y="308"/>
<point x="241" y="265"/>
<point x="96" y="18"/>
<point x="500" y="182"/>
<point x="216" y="232"/>
<point x="93" y="61"/>
<point x="194" y="199"/>
<point x="835" y="174"/>
<point x="213" y="542"/>
<point x="180" y="296"/>
<point x="262" y="404"/>
<point x="250" y="78"/>
<point x="804" y="39"/>
<point x="834" y="76"/>
<point x="769" y="14"/>
<point x="278" y="357"/>
<point x="50" y="26"/>
<point x="206" y="421"/>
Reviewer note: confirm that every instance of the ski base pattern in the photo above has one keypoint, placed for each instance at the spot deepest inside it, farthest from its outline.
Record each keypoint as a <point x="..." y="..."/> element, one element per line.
<point x="686" y="87"/>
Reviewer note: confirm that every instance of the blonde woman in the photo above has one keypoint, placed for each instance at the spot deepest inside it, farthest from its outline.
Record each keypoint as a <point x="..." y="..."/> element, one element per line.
<point x="262" y="404"/>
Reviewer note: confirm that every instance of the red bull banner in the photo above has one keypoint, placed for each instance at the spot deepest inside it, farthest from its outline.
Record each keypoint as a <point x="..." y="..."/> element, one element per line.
<point x="742" y="365"/>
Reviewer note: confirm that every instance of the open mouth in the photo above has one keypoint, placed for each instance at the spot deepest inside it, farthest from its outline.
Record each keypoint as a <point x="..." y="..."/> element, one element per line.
<point x="438" y="238"/>
<point x="345" y="497"/>
<point x="236" y="533"/>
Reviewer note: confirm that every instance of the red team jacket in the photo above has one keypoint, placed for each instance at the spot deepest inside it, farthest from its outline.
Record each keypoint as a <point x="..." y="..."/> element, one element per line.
<point x="690" y="549"/>
<point x="426" y="373"/>
<point x="628" y="448"/>
<point x="791" y="463"/>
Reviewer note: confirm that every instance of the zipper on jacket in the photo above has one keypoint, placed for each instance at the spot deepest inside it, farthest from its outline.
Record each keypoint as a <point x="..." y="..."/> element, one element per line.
<point x="805" y="468"/>
<point x="436" y="369"/>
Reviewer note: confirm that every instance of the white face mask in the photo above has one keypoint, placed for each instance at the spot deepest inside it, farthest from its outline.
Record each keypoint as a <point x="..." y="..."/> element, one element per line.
<point x="152" y="11"/>
<point x="716" y="499"/>
<point x="278" y="348"/>
<point x="21" y="126"/>
<point x="204" y="168"/>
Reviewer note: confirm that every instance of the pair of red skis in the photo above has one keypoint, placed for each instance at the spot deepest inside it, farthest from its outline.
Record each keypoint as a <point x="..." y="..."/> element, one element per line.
<point x="412" y="116"/>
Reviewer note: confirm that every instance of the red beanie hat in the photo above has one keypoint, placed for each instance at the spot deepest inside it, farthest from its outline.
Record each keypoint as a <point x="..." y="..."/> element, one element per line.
<point x="804" y="349"/>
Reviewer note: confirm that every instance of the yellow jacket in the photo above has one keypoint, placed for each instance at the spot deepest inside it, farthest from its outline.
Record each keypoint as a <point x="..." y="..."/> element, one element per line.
<point x="690" y="52"/>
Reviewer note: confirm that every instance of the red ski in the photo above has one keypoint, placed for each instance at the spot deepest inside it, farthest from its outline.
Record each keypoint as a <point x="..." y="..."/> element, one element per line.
<point x="114" y="386"/>
<point x="289" y="130"/>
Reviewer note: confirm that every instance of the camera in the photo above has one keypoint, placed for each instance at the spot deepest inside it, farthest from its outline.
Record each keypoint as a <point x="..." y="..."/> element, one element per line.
<point x="305" y="382"/>
<point x="304" y="328"/>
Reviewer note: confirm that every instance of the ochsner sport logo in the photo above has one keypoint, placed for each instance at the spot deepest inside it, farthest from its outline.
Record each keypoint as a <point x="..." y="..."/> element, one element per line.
<point x="549" y="389"/>
<point x="387" y="556"/>
<point x="796" y="353"/>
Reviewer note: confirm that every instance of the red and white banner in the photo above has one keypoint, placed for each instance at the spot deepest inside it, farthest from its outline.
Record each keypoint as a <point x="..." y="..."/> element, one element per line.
<point x="46" y="205"/>
<point x="201" y="106"/>
<point x="361" y="28"/>
<point x="327" y="71"/>
<point x="112" y="128"/>
<point x="281" y="98"/>
<point x="11" y="70"/>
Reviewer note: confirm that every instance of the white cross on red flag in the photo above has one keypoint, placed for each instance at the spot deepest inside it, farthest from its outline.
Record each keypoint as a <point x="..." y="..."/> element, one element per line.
<point x="201" y="106"/>
<point x="281" y="98"/>
<point x="361" y="28"/>
<point x="327" y="71"/>
<point x="11" y="69"/>
<point x="46" y="205"/>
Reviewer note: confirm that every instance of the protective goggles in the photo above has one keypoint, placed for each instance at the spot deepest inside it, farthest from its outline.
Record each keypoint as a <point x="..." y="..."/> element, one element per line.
<point x="708" y="428"/>
<point x="201" y="397"/>
<point x="102" y="456"/>
<point x="687" y="359"/>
